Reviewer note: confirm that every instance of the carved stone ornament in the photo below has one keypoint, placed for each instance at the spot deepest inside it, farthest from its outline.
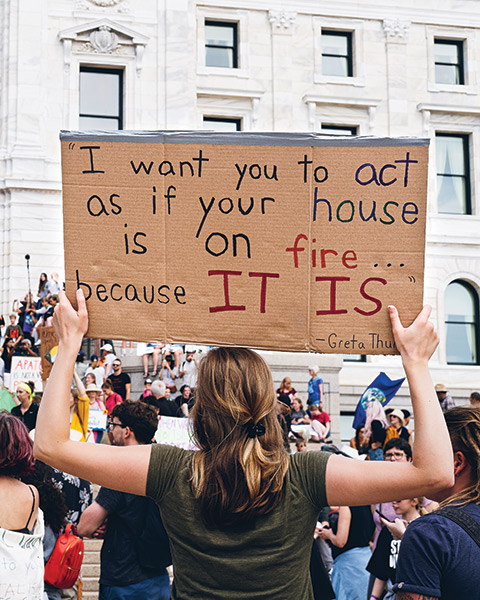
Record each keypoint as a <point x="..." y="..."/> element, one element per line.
<point x="123" y="6"/>
<point x="103" y="36"/>
<point x="396" y="30"/>
<point x="282" y="19"/>
<point x="104" y="40"/>
<point x="105" y="2"/>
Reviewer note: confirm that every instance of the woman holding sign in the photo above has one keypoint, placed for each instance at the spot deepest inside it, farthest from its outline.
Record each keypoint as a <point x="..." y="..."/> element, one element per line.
<point x="237" y="492"/>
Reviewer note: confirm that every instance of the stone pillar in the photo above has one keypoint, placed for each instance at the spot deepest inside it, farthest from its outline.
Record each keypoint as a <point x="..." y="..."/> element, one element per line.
<point x="283" y="26"/>
<point x="396" y="34"/>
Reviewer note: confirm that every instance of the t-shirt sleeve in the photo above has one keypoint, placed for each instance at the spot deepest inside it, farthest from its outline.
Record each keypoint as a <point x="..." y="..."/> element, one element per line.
<point x="165" y="463"/>
<point x="308" y="470"/>
<point x="378" y="564"/>
<point x="422" y="558"/>
<point x="109" y="499"/>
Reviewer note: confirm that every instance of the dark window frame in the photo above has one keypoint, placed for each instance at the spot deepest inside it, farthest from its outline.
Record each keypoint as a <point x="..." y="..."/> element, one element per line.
<point x="460" y="54"/>
<point x="236" y="120"/>
<point x="232" y="25"/>
<point x="362" y="358"/>
<point x="326" y="127"/>
<point x="115" y="71"/>
<point x="476" y="323"/>
<point x="466" y="161"/>
<point x="349" y="56"/>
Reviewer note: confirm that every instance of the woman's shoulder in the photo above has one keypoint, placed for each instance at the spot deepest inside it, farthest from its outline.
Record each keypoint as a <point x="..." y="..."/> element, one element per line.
<point x="307" y="472"/>
<point x="168" y="465"/>
<point x="19" y="502"/>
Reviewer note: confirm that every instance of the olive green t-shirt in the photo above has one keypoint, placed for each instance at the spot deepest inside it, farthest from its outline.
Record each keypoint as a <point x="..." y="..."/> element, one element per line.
<point x="265" y="560"/>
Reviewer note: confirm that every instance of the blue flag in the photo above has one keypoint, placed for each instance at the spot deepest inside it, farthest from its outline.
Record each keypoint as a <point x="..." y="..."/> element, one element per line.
<point x="382" y="389"/>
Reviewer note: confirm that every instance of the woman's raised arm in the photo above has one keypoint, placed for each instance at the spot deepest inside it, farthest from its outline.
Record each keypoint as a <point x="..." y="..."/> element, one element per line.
<point x="123" y="469"/>
<point x="351" y="482"/>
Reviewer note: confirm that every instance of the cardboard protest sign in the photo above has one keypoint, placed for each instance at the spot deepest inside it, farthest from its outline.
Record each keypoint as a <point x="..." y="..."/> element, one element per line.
<point x="174" y="431"/>
<point x="274" y="241"/>
<point x="26" y="368"/>
<point x="48" y="349"/>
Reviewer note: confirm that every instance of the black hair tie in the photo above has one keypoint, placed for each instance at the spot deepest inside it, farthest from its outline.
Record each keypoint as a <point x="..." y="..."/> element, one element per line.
<point x="254" y="430"/>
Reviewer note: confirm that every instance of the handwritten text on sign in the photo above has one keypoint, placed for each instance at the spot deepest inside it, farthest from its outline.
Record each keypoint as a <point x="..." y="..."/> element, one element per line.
<point x="278" y="241"/>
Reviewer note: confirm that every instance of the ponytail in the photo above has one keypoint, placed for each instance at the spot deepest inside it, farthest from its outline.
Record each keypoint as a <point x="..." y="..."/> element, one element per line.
<point x="239" y="471"/>
<point x="463" y="423"/>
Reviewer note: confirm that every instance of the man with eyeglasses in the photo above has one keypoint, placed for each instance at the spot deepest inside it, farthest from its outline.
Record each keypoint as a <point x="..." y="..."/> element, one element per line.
<point x="121" y="382"/>
<point x="122" y="574"/>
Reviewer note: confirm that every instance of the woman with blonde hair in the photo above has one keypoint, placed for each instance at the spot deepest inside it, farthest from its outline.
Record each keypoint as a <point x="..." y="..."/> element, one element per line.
<point x="236" y="493"/>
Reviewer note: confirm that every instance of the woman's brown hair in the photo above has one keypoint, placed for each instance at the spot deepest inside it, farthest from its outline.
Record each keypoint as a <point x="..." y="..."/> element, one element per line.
<point x="236" y="477"/>
<point x="463" y="424"/>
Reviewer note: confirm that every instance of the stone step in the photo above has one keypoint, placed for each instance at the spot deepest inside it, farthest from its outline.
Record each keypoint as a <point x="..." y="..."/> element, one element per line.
<point x="90" y="584"/>
<point x="92" y="545"/>
<point x="91" y="570"/>
<point x="86" y="595"/>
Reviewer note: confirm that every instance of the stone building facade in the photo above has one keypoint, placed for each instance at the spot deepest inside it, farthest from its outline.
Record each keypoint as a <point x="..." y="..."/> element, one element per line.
<point x="352" y="68"/>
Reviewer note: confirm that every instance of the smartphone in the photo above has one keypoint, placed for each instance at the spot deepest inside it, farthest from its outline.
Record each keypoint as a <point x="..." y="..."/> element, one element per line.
<point x="383" y="516"/>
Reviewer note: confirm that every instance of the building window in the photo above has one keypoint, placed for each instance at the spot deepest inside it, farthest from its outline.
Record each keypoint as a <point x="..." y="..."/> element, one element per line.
<point x="354" y="357"/>
<point x="221" y="44"/>
<point x="449" y="67"/>
<point x="346" y="429"/>
<point x="222" y="124"/>
<point x="101" y="98"/>
<point x="453" y="174"/>
<point x="461" y="319"/>
<point x="337" y="53"/>
<point x="343" y="130"/>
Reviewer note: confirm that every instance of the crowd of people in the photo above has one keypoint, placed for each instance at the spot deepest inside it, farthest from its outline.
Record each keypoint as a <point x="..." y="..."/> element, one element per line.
<point x="235" y="493"/>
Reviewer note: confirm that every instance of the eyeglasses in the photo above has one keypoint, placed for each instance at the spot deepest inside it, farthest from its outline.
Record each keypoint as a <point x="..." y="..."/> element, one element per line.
<point x="117" y="365"/>
<point x="399" y="454"/>
<point x="112" y="425"/>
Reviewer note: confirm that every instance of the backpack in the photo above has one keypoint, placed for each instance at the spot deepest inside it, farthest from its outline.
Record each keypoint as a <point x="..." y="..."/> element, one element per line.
<point x="63" y="567"/>
<point x="151" y="541"/>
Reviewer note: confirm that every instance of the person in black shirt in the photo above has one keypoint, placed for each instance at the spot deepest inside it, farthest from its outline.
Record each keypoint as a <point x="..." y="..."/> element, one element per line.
<point x="25" y="349"/>
<point x="383" y="563"/>
<point x="166" y="408"/>
<point x="121" y="382"/>
<point x="122" y="573"/>
<point x="27" y="410"/>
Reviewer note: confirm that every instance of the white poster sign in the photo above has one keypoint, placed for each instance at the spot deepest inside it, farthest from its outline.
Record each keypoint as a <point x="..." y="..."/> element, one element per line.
<point x="26" y="368"/>
<point x="97" y="420"/>
<point x="174" y="431"/>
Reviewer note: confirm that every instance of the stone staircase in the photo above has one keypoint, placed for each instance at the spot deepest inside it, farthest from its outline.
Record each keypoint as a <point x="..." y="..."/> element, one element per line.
<point x="91" y="568"/>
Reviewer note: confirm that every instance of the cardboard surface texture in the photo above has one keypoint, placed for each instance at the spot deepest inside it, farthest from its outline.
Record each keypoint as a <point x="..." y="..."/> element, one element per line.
<point x="48" y="349"/>
<point x="275" y="241"/>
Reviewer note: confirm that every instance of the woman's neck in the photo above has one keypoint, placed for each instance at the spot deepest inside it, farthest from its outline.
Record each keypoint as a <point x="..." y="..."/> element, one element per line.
<point x="411" y="514"/>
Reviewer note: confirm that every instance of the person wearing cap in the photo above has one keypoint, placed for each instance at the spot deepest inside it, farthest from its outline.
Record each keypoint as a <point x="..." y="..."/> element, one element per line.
<point x="97" y="370"/>
<point x="397" y="419"/>
<point x="147" y="390"/>
<point x="446" y="401"/>
<point x="315" y="386"/>
<point x="108" y="357"/>
<point x="27" y="410"/>
<point x="25" y="349"/>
